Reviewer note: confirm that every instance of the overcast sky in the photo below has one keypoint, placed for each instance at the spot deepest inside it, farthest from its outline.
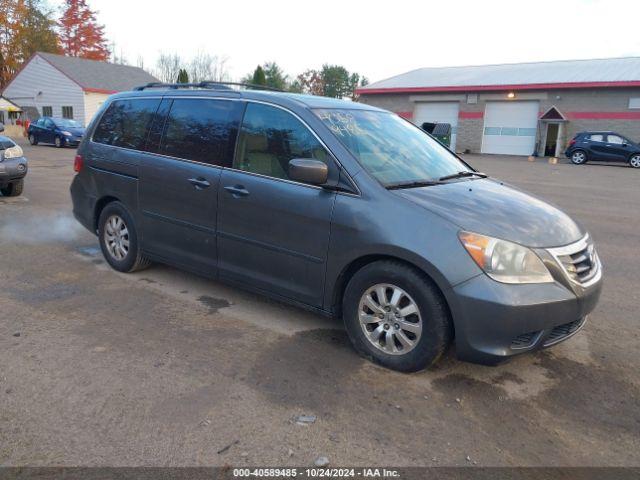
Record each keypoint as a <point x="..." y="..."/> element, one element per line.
<point x="376" y="38"/>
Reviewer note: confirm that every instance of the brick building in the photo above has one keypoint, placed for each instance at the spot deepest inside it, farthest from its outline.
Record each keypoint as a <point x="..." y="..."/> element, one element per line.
<point x="518" y="109"/>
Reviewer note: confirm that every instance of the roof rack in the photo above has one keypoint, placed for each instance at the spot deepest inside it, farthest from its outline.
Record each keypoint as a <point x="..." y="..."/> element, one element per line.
<point x="206" y="84"/>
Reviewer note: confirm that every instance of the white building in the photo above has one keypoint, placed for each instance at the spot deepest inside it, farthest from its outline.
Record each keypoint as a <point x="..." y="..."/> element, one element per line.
<point x="69" y="87"/>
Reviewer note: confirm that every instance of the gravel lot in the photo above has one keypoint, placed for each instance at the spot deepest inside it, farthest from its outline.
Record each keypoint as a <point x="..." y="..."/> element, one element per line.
<point x="165" y="368"/>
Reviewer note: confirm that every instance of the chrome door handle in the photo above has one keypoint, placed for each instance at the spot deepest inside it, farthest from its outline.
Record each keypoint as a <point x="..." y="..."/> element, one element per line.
<point x="199" y="183"/>
<point x="237" y="190"/>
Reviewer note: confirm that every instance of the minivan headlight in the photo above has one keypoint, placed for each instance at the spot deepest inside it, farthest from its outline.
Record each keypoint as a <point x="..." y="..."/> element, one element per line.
<point x="13" y="152"/>
<point x="503" y="261"/>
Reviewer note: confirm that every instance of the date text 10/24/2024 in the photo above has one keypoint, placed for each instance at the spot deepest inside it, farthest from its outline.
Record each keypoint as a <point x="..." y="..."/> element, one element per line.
<point x="316" y="472"/>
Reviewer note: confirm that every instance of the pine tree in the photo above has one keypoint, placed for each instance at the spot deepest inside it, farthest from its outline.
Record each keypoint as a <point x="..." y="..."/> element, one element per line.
<point x="183" y="76"/>
<point x="80" y="33"/>
<point x="258" y="76"/>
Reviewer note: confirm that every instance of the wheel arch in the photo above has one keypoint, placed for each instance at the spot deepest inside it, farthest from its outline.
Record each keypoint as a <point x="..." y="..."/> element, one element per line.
<point x="100" y="204"/>
<point x="355" y="265"/>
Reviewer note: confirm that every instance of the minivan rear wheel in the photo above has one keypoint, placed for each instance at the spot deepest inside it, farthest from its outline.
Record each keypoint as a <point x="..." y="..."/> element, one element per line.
<point x="119" y="239"/>
<point x="579" y="157"/>
<point x="396" y="317"/>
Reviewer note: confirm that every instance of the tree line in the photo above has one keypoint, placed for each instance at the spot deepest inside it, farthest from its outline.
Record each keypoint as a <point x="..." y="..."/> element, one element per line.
<point x="29" y="26"/>
<point x="329" y="80"/>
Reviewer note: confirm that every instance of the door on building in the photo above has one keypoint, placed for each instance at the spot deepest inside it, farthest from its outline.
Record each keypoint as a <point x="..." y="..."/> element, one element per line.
<point x="438" y="112"/>
<point x="510" y="127"/>
<point x="552" y="139"/>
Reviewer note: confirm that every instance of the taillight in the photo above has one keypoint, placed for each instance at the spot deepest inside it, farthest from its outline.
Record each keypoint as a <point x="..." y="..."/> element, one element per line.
<point x="78" y="163"/>
<point x="572" y="142"/>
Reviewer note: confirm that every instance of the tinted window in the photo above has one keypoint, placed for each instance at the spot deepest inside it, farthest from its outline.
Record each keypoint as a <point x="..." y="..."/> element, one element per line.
<point x="596" y="138"/>
<point x="126" y="122"/>
<point x="270" y="137"/>
<point x="49" y="124"/>
<point x="199" y="130"/>
<point x="67" y="112"/>
<point x="616" y="139"/>
<point x="390" y="148"/>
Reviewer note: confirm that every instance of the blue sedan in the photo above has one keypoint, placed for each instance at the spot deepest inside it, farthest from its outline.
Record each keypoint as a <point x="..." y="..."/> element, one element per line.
<point x="58" y="131"/>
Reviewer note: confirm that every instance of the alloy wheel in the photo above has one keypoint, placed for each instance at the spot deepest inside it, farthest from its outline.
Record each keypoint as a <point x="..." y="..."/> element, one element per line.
<point x="390" y="319"/>
<point x="578" y="157"/>
<point x="116" y="237"/>
<point x="635" y="161"/>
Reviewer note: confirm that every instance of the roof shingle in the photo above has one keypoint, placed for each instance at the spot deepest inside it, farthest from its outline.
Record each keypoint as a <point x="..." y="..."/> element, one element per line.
<point x="95" y="75"/>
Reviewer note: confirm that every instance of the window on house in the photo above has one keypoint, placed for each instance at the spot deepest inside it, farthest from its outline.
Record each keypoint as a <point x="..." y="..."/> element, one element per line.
<point x="47" y="111"/>
<point x="634" y="102"/>
<point x="67" y="112"/>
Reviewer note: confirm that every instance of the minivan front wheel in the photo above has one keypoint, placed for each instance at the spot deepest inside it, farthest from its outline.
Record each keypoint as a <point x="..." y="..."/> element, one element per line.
<point x="396" y="317"/>
<point x="578" y="157"/>
<point x="119" y="239"/>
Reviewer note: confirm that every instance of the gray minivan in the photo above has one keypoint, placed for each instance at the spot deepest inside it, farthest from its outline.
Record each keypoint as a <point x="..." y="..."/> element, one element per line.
<point x="337" y="207"/>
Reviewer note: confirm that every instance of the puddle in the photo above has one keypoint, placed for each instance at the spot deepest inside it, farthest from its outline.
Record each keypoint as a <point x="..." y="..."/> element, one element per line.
<point x="213" y="304"/>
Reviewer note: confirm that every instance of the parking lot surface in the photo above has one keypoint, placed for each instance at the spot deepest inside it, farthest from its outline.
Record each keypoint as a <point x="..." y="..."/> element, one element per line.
<point x="162" y="367"/>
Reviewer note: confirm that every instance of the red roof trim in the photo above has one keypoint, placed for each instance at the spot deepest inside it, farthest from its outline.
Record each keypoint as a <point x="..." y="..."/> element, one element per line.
<point x="481" y="88"/>
<point x="99" y="90"/>
<point x="603" y="115"/>
<point x="470" y="115"/>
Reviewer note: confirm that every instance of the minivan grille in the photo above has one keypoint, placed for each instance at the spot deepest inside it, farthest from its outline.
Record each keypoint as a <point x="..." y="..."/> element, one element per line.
<point x="524" y="341"/>
<point x="563" y="331"/>
<point x="579" y="261"/>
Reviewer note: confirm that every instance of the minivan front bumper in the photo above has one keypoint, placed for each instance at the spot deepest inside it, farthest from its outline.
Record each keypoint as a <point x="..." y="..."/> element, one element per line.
<point x="494" y="321"/>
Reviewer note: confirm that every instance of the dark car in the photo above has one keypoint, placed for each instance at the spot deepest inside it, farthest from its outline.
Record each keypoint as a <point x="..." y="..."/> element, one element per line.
<point x="603" y="146"/>
<point x="13" y="167"/>
<point x="338" y="207"/>
<point x="61" y="132"/>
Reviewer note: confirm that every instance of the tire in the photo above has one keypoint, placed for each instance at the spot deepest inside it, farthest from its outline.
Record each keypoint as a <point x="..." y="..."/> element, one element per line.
<point x="13" y="189"/>
<point x="58" y="142"/>
<point x="123" y="253"/>
<point x="32" y="139"/>
<point x="432" y="316"/>
<point x="579" y="157"/>
<point x="634" y="160"/>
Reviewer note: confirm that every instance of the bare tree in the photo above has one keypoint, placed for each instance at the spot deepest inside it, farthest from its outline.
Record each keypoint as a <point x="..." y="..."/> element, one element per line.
<point x="204" y="66"/>
<point x="168" y="66"/>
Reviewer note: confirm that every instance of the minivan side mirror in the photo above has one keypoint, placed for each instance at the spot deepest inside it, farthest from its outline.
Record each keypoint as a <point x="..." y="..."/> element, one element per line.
<point x="308" y="170"/>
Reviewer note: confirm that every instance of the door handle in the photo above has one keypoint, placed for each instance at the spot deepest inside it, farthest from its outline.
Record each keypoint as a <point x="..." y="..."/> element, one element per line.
<point x="199" y="183"/>
<point x="237" y="191"/>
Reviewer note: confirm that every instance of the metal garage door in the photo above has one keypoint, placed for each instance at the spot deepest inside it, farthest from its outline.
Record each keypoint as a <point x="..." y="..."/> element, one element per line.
<point x="510" y="127"/>
<point x="442" y="112"/>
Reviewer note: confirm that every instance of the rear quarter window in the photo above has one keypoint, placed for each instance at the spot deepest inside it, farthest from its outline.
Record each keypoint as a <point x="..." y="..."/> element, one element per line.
<point x="126" y="123"/>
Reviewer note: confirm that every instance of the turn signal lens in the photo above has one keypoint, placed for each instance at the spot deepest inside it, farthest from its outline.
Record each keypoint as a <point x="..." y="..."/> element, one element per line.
<point x="78" y="163"/>
<point x="504" y="261"/>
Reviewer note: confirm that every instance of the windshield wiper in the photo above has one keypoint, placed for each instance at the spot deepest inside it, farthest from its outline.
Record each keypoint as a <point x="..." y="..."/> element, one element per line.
<point x="412" y="184"/>
<point x="462" y="174"/>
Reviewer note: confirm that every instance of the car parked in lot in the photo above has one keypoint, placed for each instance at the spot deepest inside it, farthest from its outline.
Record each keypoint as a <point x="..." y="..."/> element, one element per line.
<point x="60" y="132"/>
<point x="13" y="167"/>
<point x="341" y="208"/>
<point x="603" y="146"/>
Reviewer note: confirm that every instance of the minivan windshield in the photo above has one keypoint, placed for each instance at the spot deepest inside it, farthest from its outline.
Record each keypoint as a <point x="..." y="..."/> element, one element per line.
<point x="391" y="149"/>
<point x="65" y="122"/>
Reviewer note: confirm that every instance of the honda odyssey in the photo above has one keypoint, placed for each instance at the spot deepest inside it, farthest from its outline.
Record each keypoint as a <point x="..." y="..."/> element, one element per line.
<point x="338" y="207"/>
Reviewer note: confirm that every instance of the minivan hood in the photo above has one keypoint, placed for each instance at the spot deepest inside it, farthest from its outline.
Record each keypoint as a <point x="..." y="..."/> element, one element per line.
<point x="492" y="208"/>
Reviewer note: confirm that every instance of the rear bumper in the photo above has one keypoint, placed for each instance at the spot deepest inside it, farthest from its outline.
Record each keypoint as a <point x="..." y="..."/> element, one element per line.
<point x="13" y="169"/>
<point x="495" y="321"/>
